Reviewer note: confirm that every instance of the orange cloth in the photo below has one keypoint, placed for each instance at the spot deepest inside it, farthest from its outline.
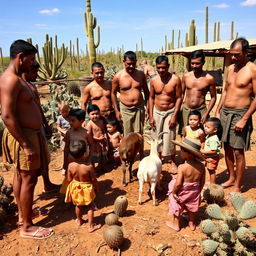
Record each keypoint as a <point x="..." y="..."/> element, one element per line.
<point x="81" y="193"/>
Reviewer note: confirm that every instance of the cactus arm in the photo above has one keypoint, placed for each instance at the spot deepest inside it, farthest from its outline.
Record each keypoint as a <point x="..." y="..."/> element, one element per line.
<point x="86" y="24"/>
<point x="98" y="38"/>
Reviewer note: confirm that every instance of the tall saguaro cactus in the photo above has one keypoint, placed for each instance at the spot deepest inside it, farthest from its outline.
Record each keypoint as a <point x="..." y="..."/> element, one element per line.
<point x="90" y="24"/>
<point x="192" y="33"/>
<point x="206" y="24"/>
<point x="232" y="31"/>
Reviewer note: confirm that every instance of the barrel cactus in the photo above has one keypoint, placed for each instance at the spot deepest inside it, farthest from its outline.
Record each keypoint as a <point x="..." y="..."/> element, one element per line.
<point x="246" y="237"/>
<point x="214" y="194"/>
<point x="120" y="205"/>
<point x="1" y="181"/>
<point x="208" y="227"/>
<point x="111" y="219"/>
<point x="113" y="236"/>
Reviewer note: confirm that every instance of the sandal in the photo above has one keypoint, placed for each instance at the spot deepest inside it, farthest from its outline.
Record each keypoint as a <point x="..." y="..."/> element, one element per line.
<point x="38" y="234"/>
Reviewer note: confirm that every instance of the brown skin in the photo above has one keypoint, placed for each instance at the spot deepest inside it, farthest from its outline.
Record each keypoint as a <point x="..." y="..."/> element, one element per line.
<point x="99" y="91"/>
<point x="82" y="170"/>
<point x="239" y="88"/>
<point x="196" y="84"/>
<point x="17" y="99"/>
<point x="129" y="82"/>
<point x="148" y="70"/>
<point x="191" y="171"/>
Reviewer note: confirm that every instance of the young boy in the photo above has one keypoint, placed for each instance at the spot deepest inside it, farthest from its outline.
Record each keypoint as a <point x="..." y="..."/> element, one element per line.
<point x="82" y="183"/>
<point x="184" y="192"/>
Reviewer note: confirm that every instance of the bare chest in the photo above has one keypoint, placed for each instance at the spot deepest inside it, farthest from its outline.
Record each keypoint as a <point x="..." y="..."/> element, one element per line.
<point x="165" y="89"/>
<point x="127" y="83"/>
<point x="240" y="79"/>
<point x="98" y="92"/>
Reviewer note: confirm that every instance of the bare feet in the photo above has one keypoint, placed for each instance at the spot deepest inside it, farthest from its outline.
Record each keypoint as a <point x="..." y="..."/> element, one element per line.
<point x="228" y="183"/>
<point x="94" y="228"/>
<point x="80" y="222"/>
<point x="37" y="212"/>
<point x="36" y="232"/>
<point x="192" y="225"/>
<point x="173" y="226"/>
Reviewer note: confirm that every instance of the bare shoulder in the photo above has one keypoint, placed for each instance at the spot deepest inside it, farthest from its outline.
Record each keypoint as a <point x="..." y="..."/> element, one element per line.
<point x="210" y="78"/>
<point x="9" y="79"/>
<point x="252" y="66"/>
<point x="118" y="74"/>
<point x="176" y="78"/>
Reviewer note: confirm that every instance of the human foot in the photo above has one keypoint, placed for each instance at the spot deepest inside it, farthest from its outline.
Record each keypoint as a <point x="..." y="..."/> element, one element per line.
<point x="94" y="228"/>
<point x="80" y="222"/>
<point x="37" y="233"/>
<point x="171" y="225"/>
<point x="192" y="225"/>
<point x="37" y="212"/>
<point x="228" y="183"/>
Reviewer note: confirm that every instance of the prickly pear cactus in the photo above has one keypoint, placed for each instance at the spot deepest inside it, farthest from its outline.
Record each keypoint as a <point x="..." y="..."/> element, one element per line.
<point x="208" y="227"/>
<point x="248" y="210"/>
<point x="1" y="181"/>
<point x="214" y="194"/>
<point x="246" y="237"/>
<point x="120" y="205"/>
<point x="209" y="246"/>
<point x="111" y="219"/>
<point x="237" y="200"/>
<point x="214" y="211"/>
<point x="113" y="236"/>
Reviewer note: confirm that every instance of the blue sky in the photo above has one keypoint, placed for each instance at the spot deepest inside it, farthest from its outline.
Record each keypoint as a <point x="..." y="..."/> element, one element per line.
<point x="122" y="22"/>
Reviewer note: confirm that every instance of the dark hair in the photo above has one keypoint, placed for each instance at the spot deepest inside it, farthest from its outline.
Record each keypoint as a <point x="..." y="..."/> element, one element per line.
<point x="198" y="54"/>
<point x="244" y="43"/>
<point x="97" y="65"/>
<point x="21" y="46"/>
<point x="130" y="55"/>
<point x="78" y="113"/>
<point x="195" y="113"/>
<point x="92" y="107"/>
<point x="217" y="124"/>
<point x="162" y="58"/>
<point x="77" y="148"/>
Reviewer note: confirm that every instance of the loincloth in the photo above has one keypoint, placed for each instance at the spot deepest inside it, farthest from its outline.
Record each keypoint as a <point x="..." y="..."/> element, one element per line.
<point x="133" y="118"/>
<point x="14" y="154"/>
<point x="189" y="196"/>
<point x="183" y="119"/>
<point x="235" y="139"/>
<point x="162" y="119"/>
<point x="100" y="151"/>
<point x="211" y="163"/>
<point x="80" y="193"/>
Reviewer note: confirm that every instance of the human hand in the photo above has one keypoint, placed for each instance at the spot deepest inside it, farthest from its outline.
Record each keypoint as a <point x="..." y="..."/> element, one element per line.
<point x="173" y="121"/>
<point x="217" y="114"/>
<point x="30" y="153"/>
<point x="152" y="122"/>
<point x="176" y="198"/>
<point x="239" y="126"/>
<point x="204" y="117"/>
<point x="119" y="116"/>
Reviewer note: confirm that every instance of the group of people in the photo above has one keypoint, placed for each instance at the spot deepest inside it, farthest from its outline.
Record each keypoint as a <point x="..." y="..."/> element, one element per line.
<point x="169" y="101"/>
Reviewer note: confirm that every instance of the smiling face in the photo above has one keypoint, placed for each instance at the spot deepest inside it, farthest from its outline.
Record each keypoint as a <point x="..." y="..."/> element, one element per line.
<point x="130" y="65"/>
<point x="94" y="115"/>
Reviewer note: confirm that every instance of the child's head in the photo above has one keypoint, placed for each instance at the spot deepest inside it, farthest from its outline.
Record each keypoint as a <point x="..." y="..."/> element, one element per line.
<point x="112" y="125"/>
<point x="212" y="125"/>
<point x="76" y="117"/>
<point x="64" y="108"/>
<point x="93" y="112"/>
<point x="77" y="149"/>
<point x="194" y="118"/>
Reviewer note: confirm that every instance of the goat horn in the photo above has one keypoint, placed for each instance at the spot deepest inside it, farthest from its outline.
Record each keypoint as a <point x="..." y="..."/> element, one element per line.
<point x="148" y="136"/>
<point x="160" y="134"/>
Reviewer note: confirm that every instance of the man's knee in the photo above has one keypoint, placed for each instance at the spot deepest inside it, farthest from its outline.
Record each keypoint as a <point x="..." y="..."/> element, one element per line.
<point x="239" y="153"/>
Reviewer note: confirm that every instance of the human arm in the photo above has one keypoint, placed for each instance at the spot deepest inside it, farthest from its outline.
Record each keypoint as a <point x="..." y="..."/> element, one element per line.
<point x="185" y="132"/>
<point x="212" y="89"/>
<point x="202" y="138"/>
<point x="86" y="97"/>
<point x="145" y="90"/>
<point x="114" y="90"/>
<point x="151" y="103"/>
<point x="212" y="147"/>
<point x="202" y="181"/>
<point x="178" y="184"/>
<point x="94" y="179"/>
<point x="66" y="139"/>
<point x="69" y="174"/>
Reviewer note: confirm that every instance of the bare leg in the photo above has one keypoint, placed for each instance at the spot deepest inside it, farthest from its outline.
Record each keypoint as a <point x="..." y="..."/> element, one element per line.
<point x="191" y="222"/>
<point x="229" y="158"/>
<point x="212" y="176"/>
<point x="92" y="227"/>
<point x="174" y="224"/>
<point x="79" y="219"/>
<point x="48" y="185"/>
<point x="240" y="167"/>
<point x="16" y="191"/>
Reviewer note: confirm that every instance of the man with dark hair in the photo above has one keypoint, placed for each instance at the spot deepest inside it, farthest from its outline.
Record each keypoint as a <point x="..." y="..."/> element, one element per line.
<point x="99" y="91"/>
<point x="130" y="83"/>
<point x="22" y="138"/>
<point x="195" y="85"/>
<point x="236" y="106"/>
<point x="164" y="105"/>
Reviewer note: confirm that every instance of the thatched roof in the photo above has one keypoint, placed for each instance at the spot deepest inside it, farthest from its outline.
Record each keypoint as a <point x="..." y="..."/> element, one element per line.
<point x="216" y="49"/>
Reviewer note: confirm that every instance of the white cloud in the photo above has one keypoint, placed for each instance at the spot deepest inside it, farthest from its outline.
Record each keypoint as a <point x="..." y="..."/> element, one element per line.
<point x="223" y="5"/>
<point x="248" y="3"/>
<point x="40" y="25"/>
<point x="49" y="12"/>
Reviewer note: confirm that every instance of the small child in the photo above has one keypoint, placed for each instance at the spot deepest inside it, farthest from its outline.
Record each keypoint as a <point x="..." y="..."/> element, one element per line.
<point x="193" y="129"/>
<point x="82" y="183"/>
<point x="114" y="138"/>
<point x="96" y="129"/>
<point x="212" y="146"/>
<point x="185" y="191"/>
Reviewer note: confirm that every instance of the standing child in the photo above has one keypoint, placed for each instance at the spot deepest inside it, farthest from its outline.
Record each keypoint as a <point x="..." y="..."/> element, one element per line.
<point x="193" y="129"/>
<point x="82" y="183"/>
<point x="96" y="128"/>
<point x="114" y="138"/>
<point x="212" y="146"/>
<point x="184" y="191"/>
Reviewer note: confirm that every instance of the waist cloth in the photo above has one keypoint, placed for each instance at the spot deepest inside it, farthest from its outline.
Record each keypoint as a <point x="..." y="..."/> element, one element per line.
<point x="189" y="196"/>
<point x="14" y="154"/>
<point x="162" y="119"/>
<point x="236" y="139"/>
<point x="183" y="120"/>
<point x="80" y="193"/>
<point x="100" y="151"/>
<point x="133" y="118"/>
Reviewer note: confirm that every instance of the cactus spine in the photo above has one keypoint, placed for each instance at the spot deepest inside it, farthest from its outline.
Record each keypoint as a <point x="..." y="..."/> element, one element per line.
<point x="206" y="24"/>
<point x="90" y="24"/>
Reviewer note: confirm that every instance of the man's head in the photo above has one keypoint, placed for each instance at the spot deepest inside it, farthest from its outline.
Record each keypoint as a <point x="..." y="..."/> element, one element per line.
<point x="31" y="75"/>
<point x="197" y="60"/>
<point x="24" y="53"/>
<point x="77" y="148"/>
<point x="162" y="65"/>
<point x="98" y="72"/>
<point x="239" y="50"/>
<point x="130" y="61"/>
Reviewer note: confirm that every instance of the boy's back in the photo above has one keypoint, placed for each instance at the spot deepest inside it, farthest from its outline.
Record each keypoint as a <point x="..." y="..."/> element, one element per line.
<point x="81" y="171"/>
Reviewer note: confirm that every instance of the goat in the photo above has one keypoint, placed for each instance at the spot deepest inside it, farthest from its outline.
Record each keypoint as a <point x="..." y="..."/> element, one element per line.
<point x="130" y="145"/>
<point x="150" y="167"/>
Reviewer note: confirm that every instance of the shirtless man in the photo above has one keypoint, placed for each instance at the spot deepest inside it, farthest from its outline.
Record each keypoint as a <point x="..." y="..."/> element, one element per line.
<point x="164" y="105"/>
<point x="99" y="91"/>
<point x="196" y="84"/>
<point x="235" y="109"/>
<point x="130" y="82"/>
<point x="149" y="71"/>
<point x="23" y="120"/>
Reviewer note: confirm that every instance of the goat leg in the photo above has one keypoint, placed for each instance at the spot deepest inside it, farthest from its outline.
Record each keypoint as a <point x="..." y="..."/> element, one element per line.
<point x="130" y="172"/>
<point x="140" y="191"/>
<point x="124" y="174"/>
<point x="153" y="193"/>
